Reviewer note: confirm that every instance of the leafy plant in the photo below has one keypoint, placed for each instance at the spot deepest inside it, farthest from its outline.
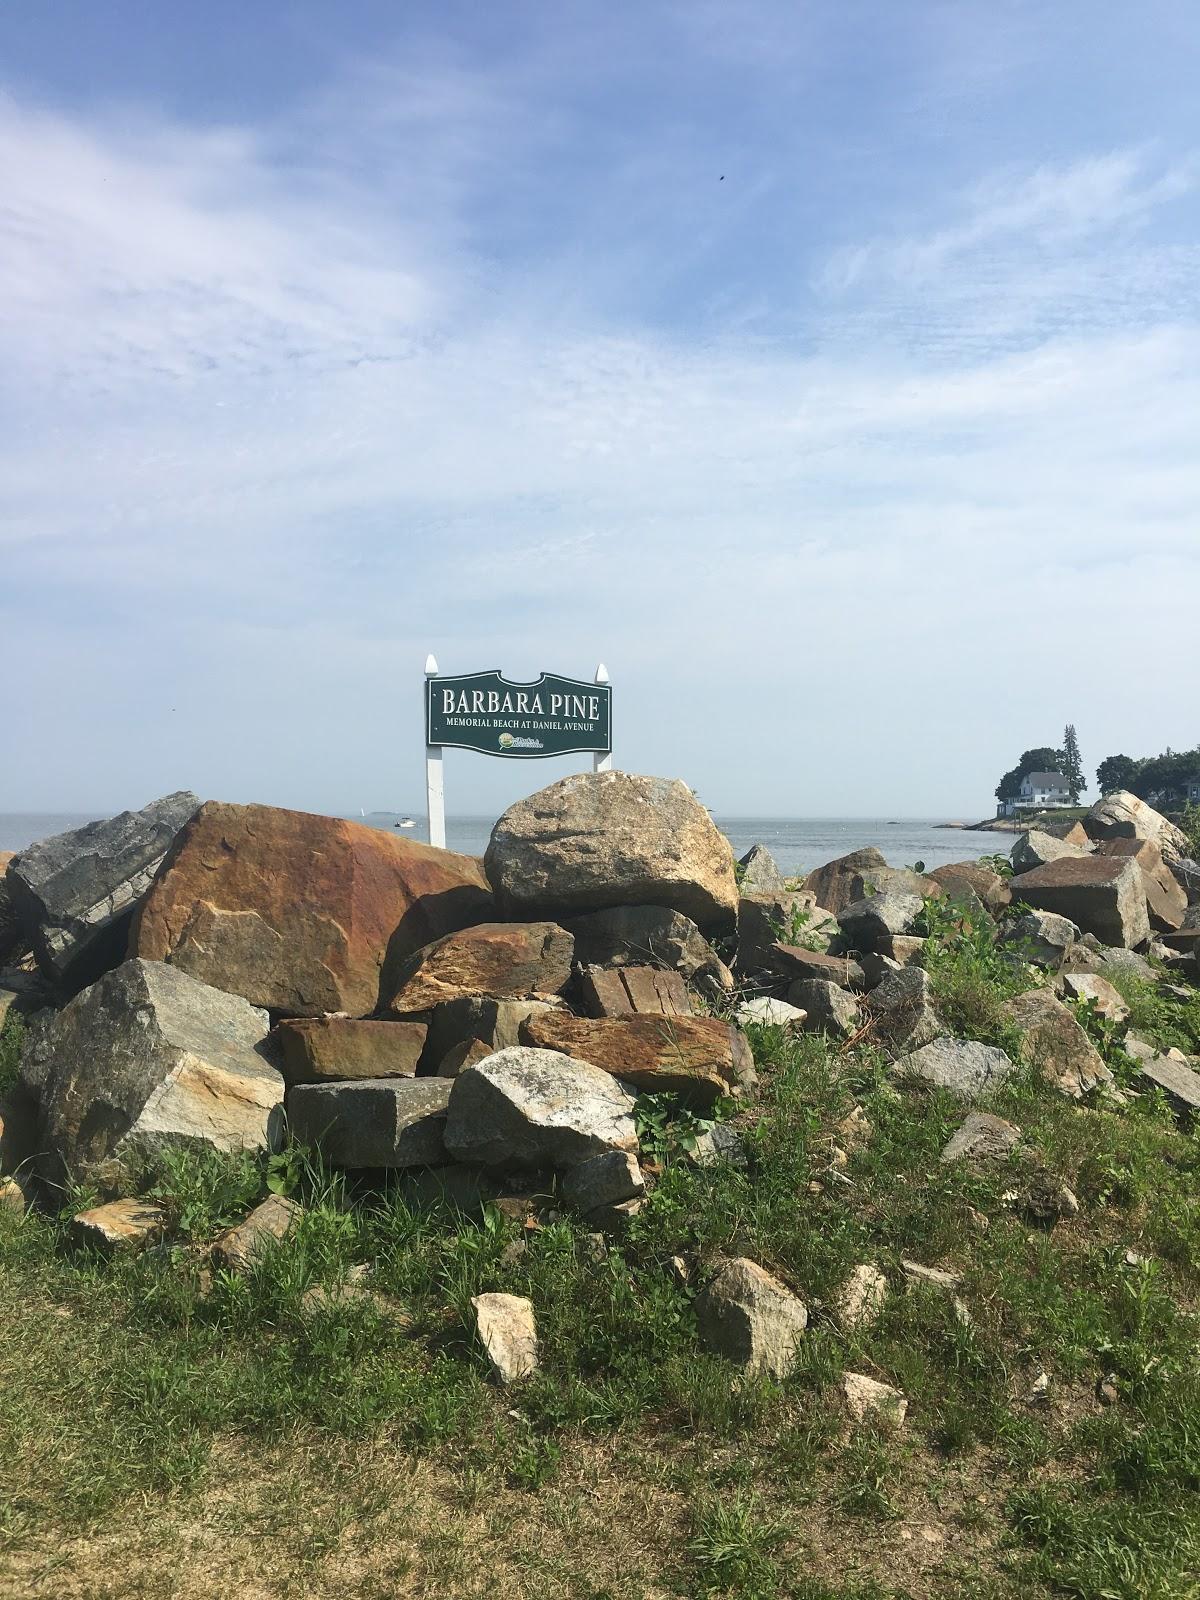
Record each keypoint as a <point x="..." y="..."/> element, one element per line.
<point x="667" y="1129"/>
<point x="204" y="1190"/>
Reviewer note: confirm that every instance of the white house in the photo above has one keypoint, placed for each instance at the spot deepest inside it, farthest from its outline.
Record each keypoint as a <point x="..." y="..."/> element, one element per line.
<point x="1039" y="791"/>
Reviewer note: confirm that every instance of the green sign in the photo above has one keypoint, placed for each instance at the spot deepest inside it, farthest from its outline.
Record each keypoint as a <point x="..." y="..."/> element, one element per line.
<point x="552" y="716"/>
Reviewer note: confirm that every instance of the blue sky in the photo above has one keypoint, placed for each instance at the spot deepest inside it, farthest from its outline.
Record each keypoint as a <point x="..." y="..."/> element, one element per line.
<point x="830" y="371"/>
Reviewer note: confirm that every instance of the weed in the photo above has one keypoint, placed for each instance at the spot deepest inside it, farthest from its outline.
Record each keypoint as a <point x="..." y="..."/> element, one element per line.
<point x="12" y="1037"/>
<point x="732" y="1545"/>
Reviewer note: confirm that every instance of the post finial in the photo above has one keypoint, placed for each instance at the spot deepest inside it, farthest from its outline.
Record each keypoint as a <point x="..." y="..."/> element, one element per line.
<point x="431" y="666"/>
<point x="601" y="674"/>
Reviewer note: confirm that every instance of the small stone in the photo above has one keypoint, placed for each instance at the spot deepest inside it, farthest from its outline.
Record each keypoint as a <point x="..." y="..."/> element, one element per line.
<point x="603" y="1180"/>
<point x="861" y="1298"/>
<point x="764" y="1011"/>
<point x="867" y="1397"/>
<point x="855" y="1130"/>
<point x="746" y="1314"/>
<point x="507" y="1330"/>
<point x="119" y="1225"/>
<point x="12" y="1196"/>
<point x="830" y="1009"/>
<point x="679" y="1271"/>
<point x="936" y="1277"/>
<point x="239" y="1247"/>
<point x="982" y="1137"/>
<point x="1107" y="1391"/>
<point x="720" y="1146"/>
<point x="963" y="1066"/>
<point x="978" y="1220"/>
<point x="1106" y="999"/>
<point x="1038" y="1393"/>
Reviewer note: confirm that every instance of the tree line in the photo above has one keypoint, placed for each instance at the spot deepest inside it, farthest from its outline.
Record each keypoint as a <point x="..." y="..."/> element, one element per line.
<point x="1145" y="776"/>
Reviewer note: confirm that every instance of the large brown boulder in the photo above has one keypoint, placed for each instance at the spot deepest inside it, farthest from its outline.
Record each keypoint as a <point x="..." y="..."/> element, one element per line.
<point x="301" y="913"/>
<point x="1166" y="900"/>
<point x="840" y="883"/>
<point x="600" y="839"/>
<point x="1103" y="895"/>
<point x="699" y="1058"/>
<point x="960" y="878"/>
<point x="503" y="960"/>
<point x="1123" y="816"/>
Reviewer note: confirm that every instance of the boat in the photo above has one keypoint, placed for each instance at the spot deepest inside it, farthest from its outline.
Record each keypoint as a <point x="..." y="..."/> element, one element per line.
<point x="405" y="822"/>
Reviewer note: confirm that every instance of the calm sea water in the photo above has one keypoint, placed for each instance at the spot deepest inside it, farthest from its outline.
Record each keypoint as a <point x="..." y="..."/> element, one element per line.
<point x="797" y="843"/>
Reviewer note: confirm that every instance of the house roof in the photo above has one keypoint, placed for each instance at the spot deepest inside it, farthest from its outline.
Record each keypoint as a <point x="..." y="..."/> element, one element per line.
<point x="1046" y="780"/>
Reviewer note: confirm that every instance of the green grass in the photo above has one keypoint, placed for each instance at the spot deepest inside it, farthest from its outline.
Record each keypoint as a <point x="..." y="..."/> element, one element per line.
<point x="189" y="1409"/>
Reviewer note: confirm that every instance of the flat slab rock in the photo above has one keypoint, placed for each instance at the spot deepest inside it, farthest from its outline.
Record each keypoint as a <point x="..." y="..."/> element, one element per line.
<point x="598" y="839"/>
<point x="795" y="963"/>
<point x="323" y="1049"/>
<point x="982" y="1137"/>
<point x="749" y="1316"/>
<point x="633" y="991"/>
<point x="963" y="1066"/>
<point x="638" y="936"/>
<point x="503" y="960"/>
<point x="374" y="1122"/>
<point x="147" y="1057"/>
<point x="1178" y="1082"/>
<point x="700" y="1058"/>
<point x="74" y="894"/>
<point x="1103" y="895"/>
<point x="507" y="1330"/>
<point x="525" y="1108"/>
<point x="118" y="1225"/>
<point x="302" y="914"/>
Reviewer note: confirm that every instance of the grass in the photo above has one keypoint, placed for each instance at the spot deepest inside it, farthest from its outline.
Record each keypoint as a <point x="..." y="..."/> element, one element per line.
<point x="171" y="1429"/>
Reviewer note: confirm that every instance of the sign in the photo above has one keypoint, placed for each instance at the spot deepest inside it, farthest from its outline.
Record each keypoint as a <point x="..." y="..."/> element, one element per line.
<point x="551" y="716"/>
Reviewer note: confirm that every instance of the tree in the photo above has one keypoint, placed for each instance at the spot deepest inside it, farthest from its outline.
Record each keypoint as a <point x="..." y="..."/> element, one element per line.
<point x="1116" y="772"/>
<point x="1072" y="764"/>
<point x="1043" y="759"/>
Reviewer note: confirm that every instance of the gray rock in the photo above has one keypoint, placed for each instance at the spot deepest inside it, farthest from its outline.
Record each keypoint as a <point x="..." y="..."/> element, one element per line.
<point x="608" y="1179"/>
<point x="982" y="1138"/>
<point x="878" y="916"/>
<point x="763" y="1011"/>
<point x="963" y="1066"/>
<point x="785" y="917"/>
<point x="635" y="936"/>
<point x="74" y="895"/>
<point x="1177" y="1081"/>
<point x="759" y="874"/>
<point x="598" y="839"/>
<point x="838" y="883"/>
<point x="493" y="1022"/>
<point x="861" y="1298"/>
<point x="1053" y="1042"/>
<point x="1104" y="895"/>
<point x="373" y="1122"/>
<point x="148" y="1057"/>
<point x="720" y="1146"/>
<point x="868" y="1398"/>
<point x="1089" y="986"/>
<point x="1040" y="937"/>
<point x="830" y="1008"/>
<point x="1035" y="849"/>
<point x="1123" y="816"/>
<point x="876" y="967"/>
<point x="902" y="1007"/>
<point x="507" y="1330"/>
<point x="525" y="1108"/>
<point x="746" y="1314"/>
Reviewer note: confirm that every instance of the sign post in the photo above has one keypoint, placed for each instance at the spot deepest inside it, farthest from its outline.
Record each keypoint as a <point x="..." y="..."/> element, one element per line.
<point x="487" y="713"/>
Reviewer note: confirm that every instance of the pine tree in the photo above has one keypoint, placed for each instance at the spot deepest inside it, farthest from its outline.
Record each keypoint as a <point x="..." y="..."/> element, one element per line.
<point x="1073" y="764"/>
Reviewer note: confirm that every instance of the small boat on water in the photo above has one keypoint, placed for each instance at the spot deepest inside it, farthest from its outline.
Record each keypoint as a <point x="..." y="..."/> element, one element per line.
<point x="405" y="822"/>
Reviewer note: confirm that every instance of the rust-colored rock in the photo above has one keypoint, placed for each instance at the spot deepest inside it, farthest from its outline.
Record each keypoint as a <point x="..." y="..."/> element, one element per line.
<point x="990" y="888"/>
<point x="698" y="1058"/>
<point x="840" y="883"/>
<point x="633" y="991"/>
<point x="1104" y="895"/>
<point x="321" y="1049"/>
<point x="301" y="913"/>
<point x="503" y="960"/>
<point x="795" y="963"/>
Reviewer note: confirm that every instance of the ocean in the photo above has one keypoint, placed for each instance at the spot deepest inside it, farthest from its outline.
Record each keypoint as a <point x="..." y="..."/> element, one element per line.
<point x="797" y="843"/>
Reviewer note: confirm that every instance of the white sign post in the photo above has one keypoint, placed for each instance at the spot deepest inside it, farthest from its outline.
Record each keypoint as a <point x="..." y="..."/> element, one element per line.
<point x="488" y="713"/>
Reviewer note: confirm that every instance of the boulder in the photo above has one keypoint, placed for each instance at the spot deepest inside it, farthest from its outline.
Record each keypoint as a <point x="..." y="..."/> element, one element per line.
<point x="903" y="1012"/>
<point x="148" y="1057"/>
<point x="608" y="1179"/>
<point x="323" y="1049"/>
<point x="1090" y="987"/>
<point x="1053" y="1042"/>
<point x="1035" y="849"/>
<point x="877" y="967"/>
<point x="1178" y="1082"/>
<point x="957" y="878"/>
<point x="507" y="1330"/>
<point x="462" y="1055"/>
<point x="1103" y="895"/>
<point x="793" y="962"/>
<point x="300" y="913"/>
<point x="965" y="1067"/>
<point x="12" y="941"/>
<point x="75" y="894"/>
<point x="1123" y="816"/>
<point x="118" y="1225"/>
<point x="633" y="991"/>
<point x="1040" y="938"/>
<point x="879" y="916"/>
<point x="750" y="1317"/>
<point x="268" y="1224"/>
<point x="477" y="1019"/>
<point x="830" y="1008"/>
<point x="699" y="1058"/>
<point x="981" y="1138"/>
<point x="861" y="1298"/>
<point x="838" y="883"/>
<point x="374" y="1122"/>
<point x="1166" y="899"/>
<point x="867" y="1398"/>
<point x="598" y="839"/>
<point x="904" y="948"/>
<point x="502" y="960"/>
<point x="767" y="919"/>
<point x="759" y="874"/>
<point x="525" y="1108"/>
<point x="638" y="936"/>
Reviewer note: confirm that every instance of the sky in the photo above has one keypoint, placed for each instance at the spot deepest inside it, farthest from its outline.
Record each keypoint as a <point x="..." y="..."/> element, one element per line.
<point x="831" y="371"/>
